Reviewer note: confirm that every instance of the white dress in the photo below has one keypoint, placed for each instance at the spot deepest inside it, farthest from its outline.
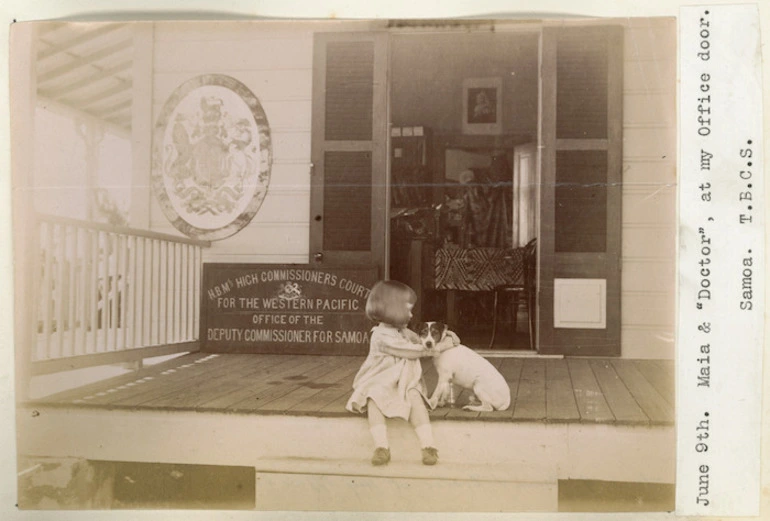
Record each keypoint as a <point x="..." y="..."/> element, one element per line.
<point x="390" y="370"/>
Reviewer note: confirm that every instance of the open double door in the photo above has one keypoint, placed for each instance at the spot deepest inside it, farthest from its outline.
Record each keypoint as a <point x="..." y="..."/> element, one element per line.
<point x="579" y="166"/>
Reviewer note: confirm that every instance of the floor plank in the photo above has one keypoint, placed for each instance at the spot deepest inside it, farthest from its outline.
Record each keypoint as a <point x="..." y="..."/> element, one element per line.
<point x="232" y="378"/>
<point x="161" y="382"/>
<point x="150" y="370"/>
<point x="530" y="400"/>
<point x="308" y="389"/>
<point x="622" y="404"/>
<point x="279" y="387"/>
<point x="661" y="375"/>
<point x="336" y="406"/>
<point x="263" y="381"/>
<point x="342" y="388"/>
<point x="166" y="387"/>
<point x="560" y="403"/>
<point x="651" y="402"/>
<point x="590" y="400"/>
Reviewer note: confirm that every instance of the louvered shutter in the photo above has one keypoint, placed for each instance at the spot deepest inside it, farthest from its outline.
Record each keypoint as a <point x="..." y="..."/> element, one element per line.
<point x="347" y="214"/>
<point x="580" y="210"/>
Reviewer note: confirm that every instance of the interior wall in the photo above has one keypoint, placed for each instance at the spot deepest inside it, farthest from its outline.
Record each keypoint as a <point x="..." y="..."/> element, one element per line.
<point x="649" y="189"/>
<point x="427" y="73"/>
<point x="276" y="65"/>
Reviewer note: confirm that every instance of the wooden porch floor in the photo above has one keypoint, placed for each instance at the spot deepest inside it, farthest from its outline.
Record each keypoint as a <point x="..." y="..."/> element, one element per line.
<point x="605" y="391"/>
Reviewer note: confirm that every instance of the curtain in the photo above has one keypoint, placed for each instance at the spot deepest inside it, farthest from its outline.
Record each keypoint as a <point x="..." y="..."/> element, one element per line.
<point x="524" y="196"/>
<point x="488" y="200"/>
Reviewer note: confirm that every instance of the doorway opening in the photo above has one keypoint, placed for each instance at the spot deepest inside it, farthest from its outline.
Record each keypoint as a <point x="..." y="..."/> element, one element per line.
<point x="463" y="180"/>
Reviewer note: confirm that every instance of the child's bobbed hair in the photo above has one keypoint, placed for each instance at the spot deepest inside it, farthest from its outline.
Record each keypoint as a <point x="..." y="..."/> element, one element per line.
<point x="386" y="302"/>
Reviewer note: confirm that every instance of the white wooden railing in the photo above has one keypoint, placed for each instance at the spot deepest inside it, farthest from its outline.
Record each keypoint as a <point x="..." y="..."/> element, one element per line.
<point x="109" y="294"/>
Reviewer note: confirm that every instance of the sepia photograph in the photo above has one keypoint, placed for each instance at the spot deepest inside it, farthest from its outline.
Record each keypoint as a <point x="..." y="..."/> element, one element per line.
<point x="345" y="266"/>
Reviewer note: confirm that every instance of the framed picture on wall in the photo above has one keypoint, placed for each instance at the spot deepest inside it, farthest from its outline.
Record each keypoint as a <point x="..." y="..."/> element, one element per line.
<point x="482" y="105"/>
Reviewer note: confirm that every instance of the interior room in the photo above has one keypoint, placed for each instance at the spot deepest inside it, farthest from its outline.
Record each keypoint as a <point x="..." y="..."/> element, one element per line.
<point x="464" y="119"/>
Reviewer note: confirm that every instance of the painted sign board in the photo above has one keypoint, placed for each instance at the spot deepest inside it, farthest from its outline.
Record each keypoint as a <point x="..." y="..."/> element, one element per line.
<point x="285" y="308"/>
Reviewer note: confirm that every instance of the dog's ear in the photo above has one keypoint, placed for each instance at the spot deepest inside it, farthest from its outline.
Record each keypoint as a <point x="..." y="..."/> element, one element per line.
<point x="422" y="328"/>
<point x="444" y="329"/>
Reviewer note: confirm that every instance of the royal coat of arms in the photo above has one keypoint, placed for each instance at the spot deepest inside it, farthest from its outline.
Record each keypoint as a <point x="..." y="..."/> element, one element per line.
<point x="212" y="157"/>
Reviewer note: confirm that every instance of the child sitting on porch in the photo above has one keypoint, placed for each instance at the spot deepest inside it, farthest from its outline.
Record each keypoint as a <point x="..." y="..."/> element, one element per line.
<point x="389" y="383"/>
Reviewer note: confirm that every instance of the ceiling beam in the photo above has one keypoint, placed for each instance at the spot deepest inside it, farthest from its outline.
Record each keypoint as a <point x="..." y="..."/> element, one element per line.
<point x="84" y="61"/>
<point x="73" y="113"/>
<point x="82" y="38"/>
<point x="61" y="92"/>
<point x="97" y="97"/>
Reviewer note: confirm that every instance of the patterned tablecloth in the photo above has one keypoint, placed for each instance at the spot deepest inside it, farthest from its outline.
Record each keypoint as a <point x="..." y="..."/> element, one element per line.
<point x="477" y="269"/>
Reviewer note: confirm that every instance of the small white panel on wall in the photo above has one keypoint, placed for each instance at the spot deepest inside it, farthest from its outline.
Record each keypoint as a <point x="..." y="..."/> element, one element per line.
<point x="580" y="303"/>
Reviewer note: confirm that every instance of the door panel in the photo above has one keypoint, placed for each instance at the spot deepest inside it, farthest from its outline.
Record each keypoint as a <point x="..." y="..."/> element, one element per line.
<point x="580" y="206"/>
<point x="347" y="201"/>
<point x="349" y="154"/>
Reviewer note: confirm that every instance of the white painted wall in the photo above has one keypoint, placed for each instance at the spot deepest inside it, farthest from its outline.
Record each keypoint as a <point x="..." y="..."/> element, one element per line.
<point x="276" y="64"/>
<point x="649" y="189"/>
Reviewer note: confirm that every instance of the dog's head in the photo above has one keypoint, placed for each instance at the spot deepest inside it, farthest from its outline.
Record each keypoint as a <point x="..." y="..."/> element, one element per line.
<point x="431" y="333"/>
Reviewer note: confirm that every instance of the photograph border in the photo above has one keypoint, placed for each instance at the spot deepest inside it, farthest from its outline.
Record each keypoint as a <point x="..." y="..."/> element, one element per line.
<point x="142" y="10"/>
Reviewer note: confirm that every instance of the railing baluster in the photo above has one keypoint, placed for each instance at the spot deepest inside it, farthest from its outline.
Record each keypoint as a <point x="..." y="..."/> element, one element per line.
<point x="183" y="297"/>
<point x="119" y="305"/>
<point x="163" y="290"/>
<point x="146" y="300"/>
<point x="152" y="283"/>
<point x="82" y="318"/>
<point x="191" y="292"/>
<point x="105" y="297"/>
<point x="35" y="270"/>
<point x="61" y="254"/>
<point x="45" y="294"/>
<point x="136" y="329"/>
<point x="175" y="293"/>
<point x="178" y="293"/>
<point x="130" y="324"/>
<point x="71" y="301"/>
<point x="93" y="301"/>
<point x="171" y="295"/>
<point x="111" y="300"/>
<point x="197" y="295"/>
<point x="156" y="289"/>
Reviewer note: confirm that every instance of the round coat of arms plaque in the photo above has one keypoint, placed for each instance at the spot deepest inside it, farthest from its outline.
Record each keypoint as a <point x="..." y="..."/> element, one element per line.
<point x="211" y="157"/>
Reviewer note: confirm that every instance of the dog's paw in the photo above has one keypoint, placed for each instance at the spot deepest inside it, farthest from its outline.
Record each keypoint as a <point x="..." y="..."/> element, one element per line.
<point x="479" y="408"/>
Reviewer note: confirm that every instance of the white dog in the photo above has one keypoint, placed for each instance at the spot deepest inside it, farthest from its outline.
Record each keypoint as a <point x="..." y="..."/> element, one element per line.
<point x="462" y="366"/>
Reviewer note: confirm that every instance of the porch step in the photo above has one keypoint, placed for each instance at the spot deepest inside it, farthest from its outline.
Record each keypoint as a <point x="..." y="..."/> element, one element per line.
<point x="282" y="444"/>
<point x="397" y="487"/>
<point x="401" y="466"/>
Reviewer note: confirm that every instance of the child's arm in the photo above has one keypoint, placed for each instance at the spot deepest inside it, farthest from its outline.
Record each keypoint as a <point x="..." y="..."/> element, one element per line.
<point x="411" y="335"/>
<point x="400" y="346"/>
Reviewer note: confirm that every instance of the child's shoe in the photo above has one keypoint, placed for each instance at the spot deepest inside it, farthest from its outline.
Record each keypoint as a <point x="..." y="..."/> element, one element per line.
<point x="429" y="456"/>
<point x="381" y="456"/>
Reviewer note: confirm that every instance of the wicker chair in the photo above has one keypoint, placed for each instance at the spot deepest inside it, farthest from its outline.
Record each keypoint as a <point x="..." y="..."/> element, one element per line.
<point x="525" y="290"/>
